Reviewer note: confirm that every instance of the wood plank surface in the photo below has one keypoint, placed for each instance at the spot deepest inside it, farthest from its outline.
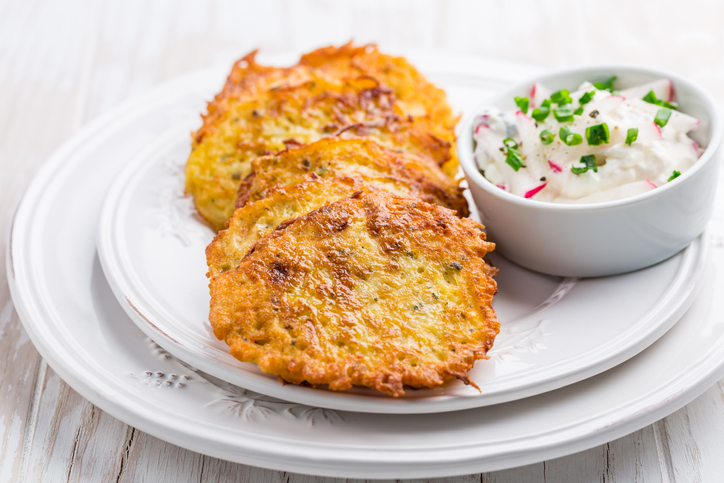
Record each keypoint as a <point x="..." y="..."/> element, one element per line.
<point x="64" y="63"/>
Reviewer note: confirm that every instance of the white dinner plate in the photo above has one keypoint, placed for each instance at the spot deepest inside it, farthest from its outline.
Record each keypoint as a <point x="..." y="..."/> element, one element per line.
<point x="74" y="320"/>
<point x="554" y="331"/>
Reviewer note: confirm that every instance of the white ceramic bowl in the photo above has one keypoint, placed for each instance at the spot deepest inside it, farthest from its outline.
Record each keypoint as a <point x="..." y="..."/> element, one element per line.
<point x="597" y="239"/>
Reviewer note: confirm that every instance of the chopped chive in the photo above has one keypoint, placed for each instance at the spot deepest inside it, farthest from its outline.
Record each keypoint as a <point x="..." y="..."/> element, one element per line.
<point x="578" y="111"/>
<point x="569" y="137"/>
<point x="564" y="113"/>
<point x="607" y="85"/>
<point x="561" y="97"/>
<point x="597" y="135"/>
<point x="510" y="143"/>
<point x="539" y="114"/>
<point x="546" y="137"/>
<point x="514" y="159"/>
<point x="522" y="103"/>
<point x="631" y="135"/>
<point x="586" y="98"/>
<point x="662" y="117"/>
<point x="674" y="175"/>
<point x="589" y="162"/>
<point x="651" y="98"/>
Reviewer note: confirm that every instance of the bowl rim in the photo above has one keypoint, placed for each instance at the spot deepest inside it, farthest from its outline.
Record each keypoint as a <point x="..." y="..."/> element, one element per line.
<point x="473" y="176"/>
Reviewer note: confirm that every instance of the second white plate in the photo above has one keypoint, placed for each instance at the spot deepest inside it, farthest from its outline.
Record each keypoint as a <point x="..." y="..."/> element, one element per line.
<point x="554" y="331"/>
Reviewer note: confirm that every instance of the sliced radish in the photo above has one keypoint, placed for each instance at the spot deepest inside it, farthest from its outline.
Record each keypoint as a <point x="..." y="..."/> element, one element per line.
<point x="534" y="191"/>
<point x="678" y="120"/>
<point x="648" y="132"/>
<point x="482" y="121"/>
<point x="606" y="105"/>
<point x="489" y="142"/>
<point x="501" y="186"/>
<point x="538" y="93"/>
<point x="663" y="89"/>
<point x="555" y="167"/>
<point x="696" y="149"/>
<point x="526" y="128"/>
<point x="682" y="122"/>
<point x="653" y="186"/>
<point x="530" y="144"/>
<point x="646" y="107"/>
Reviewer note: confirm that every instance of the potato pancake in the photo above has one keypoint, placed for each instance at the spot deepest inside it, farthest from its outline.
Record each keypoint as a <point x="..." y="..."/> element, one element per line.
<point x="399" y="173"/>
<point x="417" y="96"/>
<point x="285" y="117"/>
<point x="257" y="219"/>
<point x="372" y="290"/>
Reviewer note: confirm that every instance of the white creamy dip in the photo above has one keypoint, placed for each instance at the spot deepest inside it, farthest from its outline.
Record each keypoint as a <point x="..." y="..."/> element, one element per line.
<point x="595" y="144"/>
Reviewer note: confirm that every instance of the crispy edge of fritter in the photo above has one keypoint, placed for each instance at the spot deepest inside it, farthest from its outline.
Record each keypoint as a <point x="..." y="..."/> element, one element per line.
<point x="209" y="177"/>
<point x="409" y="85"/>
<point x="246" y="80"/>
<point x="230" y="245"/>
<point x="398" y="73"/>
<point x="348" y="157"/>
<point x="228" y="309"/>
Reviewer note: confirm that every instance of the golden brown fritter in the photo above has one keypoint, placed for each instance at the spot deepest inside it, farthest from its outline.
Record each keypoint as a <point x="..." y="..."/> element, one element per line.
<point x="399" y="173"/>
<point x="372" y="290"/>
<point x="246" y="80"/>
<point x="285" y="117"/>
<point x="417" y="96"/>
<point x="416" y="93"/>
<point x="257" y="219"/>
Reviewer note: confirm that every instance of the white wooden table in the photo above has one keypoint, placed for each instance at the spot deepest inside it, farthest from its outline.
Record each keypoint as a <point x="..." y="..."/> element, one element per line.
<point x="64" y="63"/>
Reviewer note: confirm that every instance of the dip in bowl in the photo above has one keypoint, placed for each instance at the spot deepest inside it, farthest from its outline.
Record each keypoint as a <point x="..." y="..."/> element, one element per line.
<point x="618" y="182"/>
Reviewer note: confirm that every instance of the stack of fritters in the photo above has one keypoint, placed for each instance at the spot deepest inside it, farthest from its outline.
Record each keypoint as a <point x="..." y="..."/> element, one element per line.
<point x="344" y="262"/>
<point x="262" y="110"/>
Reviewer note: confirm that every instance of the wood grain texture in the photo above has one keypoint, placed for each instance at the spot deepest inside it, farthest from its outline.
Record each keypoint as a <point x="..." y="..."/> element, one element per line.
<point x="62" y="64"/>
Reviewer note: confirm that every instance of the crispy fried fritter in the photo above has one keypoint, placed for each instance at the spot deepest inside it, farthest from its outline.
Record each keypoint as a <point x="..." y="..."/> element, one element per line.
<point x="285" y="117"/>
<point x="372" y="290"/>
<point x="417" y="96"/>
<point x="257" y="219"/>
<point x="399" y="173"/>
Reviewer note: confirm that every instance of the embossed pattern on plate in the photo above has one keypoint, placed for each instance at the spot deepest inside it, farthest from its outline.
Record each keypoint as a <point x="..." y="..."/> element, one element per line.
<point x="554" y="331"/>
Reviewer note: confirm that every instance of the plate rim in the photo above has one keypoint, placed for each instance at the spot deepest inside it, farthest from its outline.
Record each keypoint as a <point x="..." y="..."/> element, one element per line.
<point x="641" y="411"/>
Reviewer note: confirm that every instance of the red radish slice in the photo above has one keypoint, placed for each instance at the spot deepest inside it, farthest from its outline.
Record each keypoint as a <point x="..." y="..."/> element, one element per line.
<point x="489" y="141"/>
<point x="501" y="186"/>
<point x="653" y="186"/>
<point x="696" y="149"/>
<point x="682" y="122"/>
<point x="678" y="120"/>
<point x="530" y="144"/>
<point x="663" y="89"/>
<point x="643" y="106"/>
<point x="648" y="132"/>
<point x="526" y="128"/>
<point x="534" y="191"/>
<point x="607" y="104"/>
<point x="556" y="168"/>
<point x="538" y="94"/>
